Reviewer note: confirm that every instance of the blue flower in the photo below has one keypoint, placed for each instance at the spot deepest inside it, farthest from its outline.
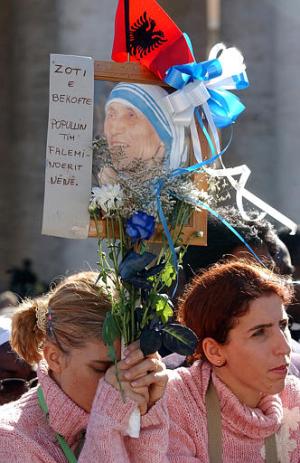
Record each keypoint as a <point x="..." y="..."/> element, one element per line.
<point x="140" y="226"/>
<point x="134" y="263"/>
<point x="133" y="269"/>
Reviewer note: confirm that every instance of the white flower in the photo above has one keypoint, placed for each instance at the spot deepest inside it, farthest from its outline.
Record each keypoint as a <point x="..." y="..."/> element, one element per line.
<point x="285" y="444"/>
<point x="198" y="195"/>
<point x="108" y="197"/>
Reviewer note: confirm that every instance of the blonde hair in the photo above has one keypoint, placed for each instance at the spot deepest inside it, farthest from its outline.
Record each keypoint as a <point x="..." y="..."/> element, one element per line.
<point x="71" y="313"/>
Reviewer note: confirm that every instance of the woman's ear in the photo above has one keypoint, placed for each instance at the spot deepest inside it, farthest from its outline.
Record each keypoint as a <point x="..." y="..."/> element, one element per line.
<point x="213" y="352"/>
<point x="54" y="357"/>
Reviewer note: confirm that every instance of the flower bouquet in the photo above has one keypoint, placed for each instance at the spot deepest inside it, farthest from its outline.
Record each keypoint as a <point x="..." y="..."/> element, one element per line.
<point x="142" y="308"/>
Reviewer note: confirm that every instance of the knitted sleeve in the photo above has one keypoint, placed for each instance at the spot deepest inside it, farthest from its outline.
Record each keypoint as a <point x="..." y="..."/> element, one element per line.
<point x="105" y="441"/>
<point x="164" y="437"/>
<point x="152" y="445"/>
<point x="165" y="430"/>
<point x="173" y="445"/>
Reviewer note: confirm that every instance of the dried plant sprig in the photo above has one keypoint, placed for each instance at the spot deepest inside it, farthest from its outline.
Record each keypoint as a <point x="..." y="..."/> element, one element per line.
<point x="138" y="183"/>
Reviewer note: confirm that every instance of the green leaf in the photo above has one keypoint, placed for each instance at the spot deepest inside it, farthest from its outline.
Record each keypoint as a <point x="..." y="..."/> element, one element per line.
<point x="180" y="339"/>
<point x="166" y="314"/>
<point x="163" y="308"/>
<point x="110" y="331"/>
<point x="168" y="275"/>
<point x="112" y="353"/>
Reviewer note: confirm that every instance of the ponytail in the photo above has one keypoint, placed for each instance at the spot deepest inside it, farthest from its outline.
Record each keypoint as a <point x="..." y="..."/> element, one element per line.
<point x="27" y="338"/>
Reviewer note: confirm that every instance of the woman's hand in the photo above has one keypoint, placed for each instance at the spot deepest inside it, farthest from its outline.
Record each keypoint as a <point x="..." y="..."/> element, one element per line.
<point x="115" y="377"/>
<point x="149" y="371"/>
<point x="143" y="380"/>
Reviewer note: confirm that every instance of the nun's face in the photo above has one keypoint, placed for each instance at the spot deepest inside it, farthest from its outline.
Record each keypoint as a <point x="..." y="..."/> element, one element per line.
<point x="128" y="129"/>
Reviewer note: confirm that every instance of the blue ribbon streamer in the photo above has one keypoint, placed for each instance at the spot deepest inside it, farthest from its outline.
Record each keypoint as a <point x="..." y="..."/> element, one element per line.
<point x="183" y="171"/>
<point x="189" y="43"/>
<point x="225" y="107"/>
<point x="205" y="132"/>
<point x="159" y="186"/>
<point x="230" y="227"/>
<point x="180" y="75"/>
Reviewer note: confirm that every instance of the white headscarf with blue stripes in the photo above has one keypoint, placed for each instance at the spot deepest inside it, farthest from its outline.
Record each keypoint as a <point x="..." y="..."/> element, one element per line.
<point x="149" y="100"/>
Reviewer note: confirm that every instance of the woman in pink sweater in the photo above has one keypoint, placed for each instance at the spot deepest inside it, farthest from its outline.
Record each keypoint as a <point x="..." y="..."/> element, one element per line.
<point x="78" y="411"/>
<point x="237" y="404"/>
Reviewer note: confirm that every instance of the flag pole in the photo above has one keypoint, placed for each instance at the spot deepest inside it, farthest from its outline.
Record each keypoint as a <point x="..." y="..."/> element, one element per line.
<point x="126" y="10"/>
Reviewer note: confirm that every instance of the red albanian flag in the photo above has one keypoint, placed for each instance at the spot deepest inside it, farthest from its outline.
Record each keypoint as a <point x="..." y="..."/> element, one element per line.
<point x="145" y="33"/>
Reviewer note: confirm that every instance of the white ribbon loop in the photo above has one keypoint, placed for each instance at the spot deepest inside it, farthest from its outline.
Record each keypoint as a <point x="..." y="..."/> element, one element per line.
<point x="242" y="192"/>
<point x="183" y="102"/>
<point x="221" y="84"/>
<point x="232" y="62"/>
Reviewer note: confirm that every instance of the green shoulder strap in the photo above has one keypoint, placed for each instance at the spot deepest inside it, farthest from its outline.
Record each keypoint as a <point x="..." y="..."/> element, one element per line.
<point x="63" y="444"/>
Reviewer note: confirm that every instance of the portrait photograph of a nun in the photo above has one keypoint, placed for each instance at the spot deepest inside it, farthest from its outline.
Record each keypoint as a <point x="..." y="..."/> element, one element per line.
<point x="136" y="131"/>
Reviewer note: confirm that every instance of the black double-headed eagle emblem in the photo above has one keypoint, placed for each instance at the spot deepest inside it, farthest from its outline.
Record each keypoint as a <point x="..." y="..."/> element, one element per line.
<point x="144" y="37"/>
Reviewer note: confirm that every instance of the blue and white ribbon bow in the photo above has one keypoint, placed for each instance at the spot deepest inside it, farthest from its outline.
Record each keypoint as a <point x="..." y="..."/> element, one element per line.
<point x="203" y="90"/>
<point x="204" y="87"/>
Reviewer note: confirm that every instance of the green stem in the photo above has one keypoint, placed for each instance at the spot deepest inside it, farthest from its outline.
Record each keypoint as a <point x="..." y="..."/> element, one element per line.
<point x="112" y="245"/>
<point x="132" y="309"/>
<point x="144" y="319"/>
<point x="101" y="254"/>
<point x="119" y="381"/>
<point x="122" y="236"/>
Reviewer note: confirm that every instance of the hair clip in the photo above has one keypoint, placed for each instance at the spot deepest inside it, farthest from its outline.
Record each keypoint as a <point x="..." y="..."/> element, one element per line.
<point x="49" y="321"/>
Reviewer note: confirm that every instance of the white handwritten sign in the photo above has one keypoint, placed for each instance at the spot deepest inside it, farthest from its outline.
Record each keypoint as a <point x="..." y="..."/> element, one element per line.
<point x="69" y="147"/>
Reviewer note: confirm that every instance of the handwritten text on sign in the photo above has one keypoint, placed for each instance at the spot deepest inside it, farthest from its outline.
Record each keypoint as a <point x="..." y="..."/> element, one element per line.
<point x="69" y="147"/>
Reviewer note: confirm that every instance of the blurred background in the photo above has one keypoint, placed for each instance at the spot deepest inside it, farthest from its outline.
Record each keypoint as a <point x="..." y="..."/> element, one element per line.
<point x="265" y="136"/>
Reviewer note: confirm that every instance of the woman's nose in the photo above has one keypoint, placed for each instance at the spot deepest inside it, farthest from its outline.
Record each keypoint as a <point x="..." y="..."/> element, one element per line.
<point x="282" y="343"/>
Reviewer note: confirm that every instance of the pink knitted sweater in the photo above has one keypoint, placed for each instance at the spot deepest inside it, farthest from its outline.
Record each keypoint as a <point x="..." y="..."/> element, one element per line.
<point x="178" y="435"/>
<point x="27" y="437"/>
<point x="243" y="428"/>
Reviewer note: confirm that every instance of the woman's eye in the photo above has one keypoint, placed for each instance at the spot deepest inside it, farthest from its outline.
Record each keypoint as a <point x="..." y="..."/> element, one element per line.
<point x="100" y="371"/>
<point x="258" y="333"/>
<point x="284" y="325"/>
<point x="110" y="114"/>
<point x="131" y="114"/>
